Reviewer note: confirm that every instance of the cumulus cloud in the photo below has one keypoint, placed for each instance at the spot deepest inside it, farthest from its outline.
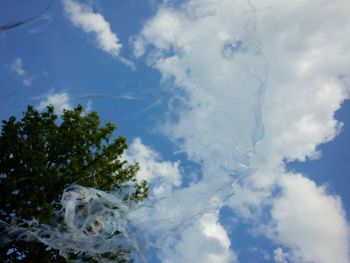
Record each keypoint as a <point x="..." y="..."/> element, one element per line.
<point x="205" y="241"/>
<point x="162" y="174"/>
<point x="83" y="17"/>
<point x="229" y="59"/>
<point x="311" y="221"/>
<point x="60" y="101"/>
<point x="17" y="67"/>
<point x="164" y="28"/>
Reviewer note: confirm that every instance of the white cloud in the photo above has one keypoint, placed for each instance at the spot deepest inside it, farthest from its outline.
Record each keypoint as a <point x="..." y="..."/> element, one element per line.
<point x="60" y="101"/>
<point x="204" y="241"/>
<point x="162" y="174"/>
<point x="83" y="17"/>
<point x="164" y="28"/>
<point x="308" y="219"/>
<point x="219" y="55"/>
<point x="17" y="66"/>
<point x="280" y="256"/>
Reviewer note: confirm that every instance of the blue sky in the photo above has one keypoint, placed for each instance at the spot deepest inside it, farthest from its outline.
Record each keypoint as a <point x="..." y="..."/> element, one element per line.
<point x="236" y="111"/>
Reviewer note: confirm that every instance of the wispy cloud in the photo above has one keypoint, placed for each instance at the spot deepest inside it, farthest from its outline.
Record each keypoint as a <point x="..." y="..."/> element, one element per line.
<point x="17" y="67"/>
<point x="28" y="81"/>
<point x="83" y="17"/>
<point x="45" y="21"/>
<point x="218" y="121"/>
<point x="138" y="46"/>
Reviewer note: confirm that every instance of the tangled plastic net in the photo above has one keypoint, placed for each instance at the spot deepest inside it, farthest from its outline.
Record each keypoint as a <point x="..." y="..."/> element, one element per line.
<point x="90" y="224"/>
<point x="94" y="224"/>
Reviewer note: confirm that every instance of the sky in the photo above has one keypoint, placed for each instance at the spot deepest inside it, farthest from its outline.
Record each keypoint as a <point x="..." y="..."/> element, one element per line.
<point x="236" y="111"/>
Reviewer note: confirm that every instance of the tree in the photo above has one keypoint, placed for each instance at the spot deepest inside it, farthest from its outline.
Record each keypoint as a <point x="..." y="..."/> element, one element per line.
<point x="40" y="155"/>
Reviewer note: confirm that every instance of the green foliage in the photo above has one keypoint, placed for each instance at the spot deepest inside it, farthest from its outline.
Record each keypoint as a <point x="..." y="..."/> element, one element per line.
<point x="41" y="154"/>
